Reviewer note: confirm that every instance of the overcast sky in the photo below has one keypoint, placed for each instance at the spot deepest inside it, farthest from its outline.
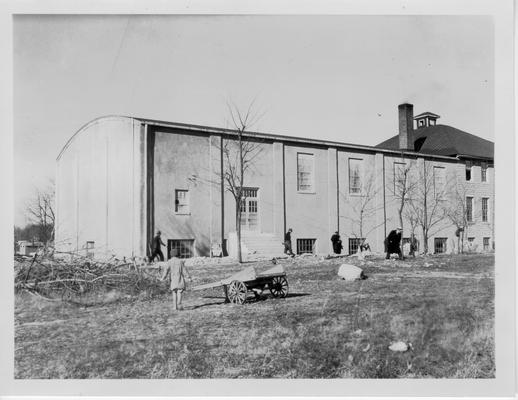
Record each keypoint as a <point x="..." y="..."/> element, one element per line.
<point x="329" y="77"/>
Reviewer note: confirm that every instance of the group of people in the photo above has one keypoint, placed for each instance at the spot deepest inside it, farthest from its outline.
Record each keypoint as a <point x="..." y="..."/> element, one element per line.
<point x="392" y="244"/>
<point x="175" y="266"/>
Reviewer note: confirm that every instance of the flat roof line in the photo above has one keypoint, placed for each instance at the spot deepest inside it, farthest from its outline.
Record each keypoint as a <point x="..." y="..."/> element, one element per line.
<point x="291" y="139"/>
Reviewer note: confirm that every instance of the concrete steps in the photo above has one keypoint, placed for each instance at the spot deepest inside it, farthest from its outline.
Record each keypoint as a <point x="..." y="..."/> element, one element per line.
<point x="266" y="245"/>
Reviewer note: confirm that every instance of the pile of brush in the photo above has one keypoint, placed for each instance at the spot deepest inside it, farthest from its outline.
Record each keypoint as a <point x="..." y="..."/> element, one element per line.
<point x="67" y="277"/>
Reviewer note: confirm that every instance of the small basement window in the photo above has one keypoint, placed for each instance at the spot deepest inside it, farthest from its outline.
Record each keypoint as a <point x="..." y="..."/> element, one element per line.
<point x="354" y="243"/>
<point x="306" y="246"/>
<point x="185" y="247"/>
<point x="439" y="245"/>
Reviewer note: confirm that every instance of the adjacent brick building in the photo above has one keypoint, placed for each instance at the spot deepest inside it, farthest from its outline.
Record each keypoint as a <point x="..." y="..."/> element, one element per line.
<point x="120" y="179"/>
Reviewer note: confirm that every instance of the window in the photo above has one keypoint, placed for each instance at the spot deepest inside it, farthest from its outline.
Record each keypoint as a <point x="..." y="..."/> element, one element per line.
<point x="355" y="175"/>
<point x="439" y="181"/>
<point x="483" y="172"/>
<point x="469" y="209"/>
<point x="90" y="249"/>
<point x="468" y="170"/>
<point x="181" y="203"/>
<point x="354" y="243"/>
<point x="305" y="171"/>
<point x="439" y="245"/>
<point x="485" y="243"/>
<point x="306" y="246"/>
<point x="471" y="241"/>
<point x="400" y="178"/>
<point x="484" y="209"/>
<point x="184" y="247"/>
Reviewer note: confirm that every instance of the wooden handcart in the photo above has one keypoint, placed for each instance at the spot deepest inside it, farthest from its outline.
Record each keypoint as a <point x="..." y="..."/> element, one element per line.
<point x="239" y="285"/>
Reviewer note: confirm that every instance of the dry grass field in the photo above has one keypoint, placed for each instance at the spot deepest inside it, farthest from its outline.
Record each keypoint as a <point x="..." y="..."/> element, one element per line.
<point x="325" y="328"/>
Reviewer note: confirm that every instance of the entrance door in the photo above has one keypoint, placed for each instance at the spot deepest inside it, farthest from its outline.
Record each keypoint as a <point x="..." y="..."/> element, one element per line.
<point x="250" y="210"/>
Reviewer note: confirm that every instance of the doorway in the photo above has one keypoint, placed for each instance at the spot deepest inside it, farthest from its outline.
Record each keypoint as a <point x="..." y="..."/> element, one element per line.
<point x="250" y="209"/>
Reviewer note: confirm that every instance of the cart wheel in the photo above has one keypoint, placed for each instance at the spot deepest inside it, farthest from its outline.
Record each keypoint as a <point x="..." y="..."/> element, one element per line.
<point x="237" y="292"/>
<point x="279" y="286"/>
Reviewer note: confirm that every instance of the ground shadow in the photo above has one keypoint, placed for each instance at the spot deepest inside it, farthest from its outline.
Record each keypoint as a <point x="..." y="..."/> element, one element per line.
<point x="215" y="303"/>
<point x="250" y="299"/>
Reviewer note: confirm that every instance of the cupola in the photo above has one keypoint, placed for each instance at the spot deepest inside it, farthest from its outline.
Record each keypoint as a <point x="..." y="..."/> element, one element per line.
<point x="426" y="119"/>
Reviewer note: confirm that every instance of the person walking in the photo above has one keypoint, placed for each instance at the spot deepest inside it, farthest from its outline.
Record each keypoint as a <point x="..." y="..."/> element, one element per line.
<point x="156" y="247"/>
<point x="337" y="243"/>
<point x="175" y="269"/>
<point x="287" y="243"/>
<point x="393" y="243"/>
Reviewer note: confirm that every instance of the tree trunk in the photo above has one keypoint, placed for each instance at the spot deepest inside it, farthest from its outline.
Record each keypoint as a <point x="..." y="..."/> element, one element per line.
<point x="401" y="225"/>
<point x="238" y="232"/>
<point x="238" y="206"/>
<point x="425" y="240"/>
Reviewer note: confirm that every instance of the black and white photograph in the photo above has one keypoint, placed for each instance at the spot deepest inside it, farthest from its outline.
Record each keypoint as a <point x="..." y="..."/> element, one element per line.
<point x="227" y="197"/>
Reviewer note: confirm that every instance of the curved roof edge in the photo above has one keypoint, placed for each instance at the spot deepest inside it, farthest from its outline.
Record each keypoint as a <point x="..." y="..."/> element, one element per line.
<point x="87" y="125"/>
<point x="342" y="145"/>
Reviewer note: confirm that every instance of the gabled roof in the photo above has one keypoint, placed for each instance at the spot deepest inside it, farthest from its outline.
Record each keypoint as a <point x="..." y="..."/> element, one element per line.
<point x="445" y="140"/>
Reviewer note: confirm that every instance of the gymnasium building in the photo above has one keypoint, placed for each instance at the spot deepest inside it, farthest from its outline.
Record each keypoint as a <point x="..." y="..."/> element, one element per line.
<point x="121" y="179"/>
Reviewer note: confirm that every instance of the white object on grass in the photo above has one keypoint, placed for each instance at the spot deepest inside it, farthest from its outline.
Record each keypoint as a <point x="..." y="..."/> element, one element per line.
<point x="349" y="272"/>
<point x="398" y="346"/>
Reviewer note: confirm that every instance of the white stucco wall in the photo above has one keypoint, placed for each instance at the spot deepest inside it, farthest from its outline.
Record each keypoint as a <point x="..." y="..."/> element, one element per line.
<point x="100" y="189"/>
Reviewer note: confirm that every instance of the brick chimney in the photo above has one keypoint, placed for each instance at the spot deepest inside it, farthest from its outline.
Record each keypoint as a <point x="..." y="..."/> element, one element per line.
<point x="406" y="126"/>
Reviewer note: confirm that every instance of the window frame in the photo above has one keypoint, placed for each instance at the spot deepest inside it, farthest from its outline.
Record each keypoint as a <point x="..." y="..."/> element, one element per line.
<point x="190" y="247"/>
<point x="439" y="194"/>
<point x="483" y="172"/>
<point x="404" y="164"/>
<point x="304" y="241"/>
<point x="177" y="204"/>
<point x="469" y="209"/>
<point x="360" y="175"/>
<point x="484" y="212"/>
<point x="443" y="242"/>
<point x="90" y="248"/>
<point x="469" y="167"/>
<point x="312" y="173"/>
<point x="354" y="244"/>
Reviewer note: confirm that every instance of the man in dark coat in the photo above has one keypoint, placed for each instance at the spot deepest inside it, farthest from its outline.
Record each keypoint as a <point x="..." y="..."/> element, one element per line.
<point x="287" y="243"/>
<point x="393" y="243"/>
<point x="337" y="243"/>
<point x="156" y="247"/>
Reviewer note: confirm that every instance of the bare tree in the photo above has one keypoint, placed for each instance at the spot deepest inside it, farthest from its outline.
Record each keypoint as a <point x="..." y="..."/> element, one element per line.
<point x="427" y="205"/>
<point x="458" y="212"/>
<point x="404" y="186"/>
<point x="40" y="212"/>
<point x="363" y="208"/>
<point x="239" y="156"/>
<point x="411" y="217"/>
